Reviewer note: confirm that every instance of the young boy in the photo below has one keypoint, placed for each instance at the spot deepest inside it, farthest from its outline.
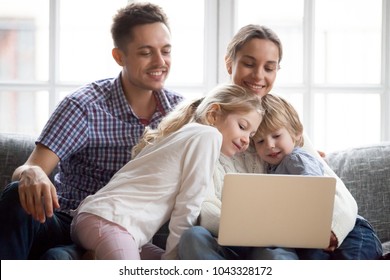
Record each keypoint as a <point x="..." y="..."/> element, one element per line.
<point x="278" y="140"/>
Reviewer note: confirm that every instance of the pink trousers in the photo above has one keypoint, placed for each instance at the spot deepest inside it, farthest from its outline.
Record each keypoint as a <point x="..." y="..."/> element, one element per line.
<point x="109" y="241"/>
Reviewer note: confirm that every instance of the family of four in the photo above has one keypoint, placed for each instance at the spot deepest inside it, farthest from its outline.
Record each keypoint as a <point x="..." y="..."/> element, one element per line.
<point x="132" y="155"/>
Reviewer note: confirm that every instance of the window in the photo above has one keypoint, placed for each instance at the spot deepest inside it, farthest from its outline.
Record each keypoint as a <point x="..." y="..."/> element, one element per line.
<point x="335" y="69"/>
<point x="23" y="65"/>
<point x="287" y="23"/>
<point x="333" y="65"/>
<point x="48" y="48"/>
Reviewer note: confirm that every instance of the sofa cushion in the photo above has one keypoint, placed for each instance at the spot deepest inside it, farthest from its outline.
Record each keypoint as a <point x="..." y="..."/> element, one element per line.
<point x="386" y="248"/>
<point x="366" y="173"/>
<point x="14" y="151"/>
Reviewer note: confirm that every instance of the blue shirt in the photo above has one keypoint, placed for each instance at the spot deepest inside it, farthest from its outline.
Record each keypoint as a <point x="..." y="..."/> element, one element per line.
<point x="298" y="162"/>
<point x="92" y="131"/>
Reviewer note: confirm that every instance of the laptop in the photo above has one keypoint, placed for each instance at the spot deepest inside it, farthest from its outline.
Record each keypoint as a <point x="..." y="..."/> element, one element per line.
<point x="264" y="210"/>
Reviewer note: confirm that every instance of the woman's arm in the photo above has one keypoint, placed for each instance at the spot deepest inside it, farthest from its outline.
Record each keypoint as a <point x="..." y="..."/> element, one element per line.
<point x="345" y="207"/>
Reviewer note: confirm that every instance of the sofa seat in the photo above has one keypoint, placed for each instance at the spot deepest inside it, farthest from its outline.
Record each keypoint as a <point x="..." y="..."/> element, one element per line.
<point x="364" y="170"/>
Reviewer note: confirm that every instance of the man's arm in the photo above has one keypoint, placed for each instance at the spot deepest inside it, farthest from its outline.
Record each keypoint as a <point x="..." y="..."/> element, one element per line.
<point x="37" y="194"/>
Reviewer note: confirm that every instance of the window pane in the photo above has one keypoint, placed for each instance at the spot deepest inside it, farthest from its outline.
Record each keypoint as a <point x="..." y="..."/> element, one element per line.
<point x="24" y="40"/>
<point x="85" y="40"/>
<point x="348" y="43"/>
<point x="285" y="17"/>
<point x="296" y="100"/>
<point x="23" y="112"/>
<point x="186" y="20"/>
<point x="85" y="45"/>
<point x="342" y="120"/>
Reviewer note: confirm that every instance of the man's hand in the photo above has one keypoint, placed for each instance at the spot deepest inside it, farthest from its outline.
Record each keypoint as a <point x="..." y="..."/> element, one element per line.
<point x="37" y="194"/>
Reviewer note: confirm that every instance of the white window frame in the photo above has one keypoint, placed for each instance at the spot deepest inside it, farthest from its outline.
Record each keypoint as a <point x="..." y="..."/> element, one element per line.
<point x="385" y="79"/>
<point x="219" y="28"/>
<point x="308" y="88"/>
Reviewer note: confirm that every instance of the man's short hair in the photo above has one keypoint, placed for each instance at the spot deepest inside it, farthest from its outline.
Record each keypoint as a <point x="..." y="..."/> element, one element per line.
<point x="131" y="16"/>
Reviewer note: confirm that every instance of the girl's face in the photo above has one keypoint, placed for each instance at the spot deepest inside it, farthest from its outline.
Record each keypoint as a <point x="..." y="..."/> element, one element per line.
<point x="273" y="147"/>
<point x="236" y="129"/>
<point x="255" y="66"/>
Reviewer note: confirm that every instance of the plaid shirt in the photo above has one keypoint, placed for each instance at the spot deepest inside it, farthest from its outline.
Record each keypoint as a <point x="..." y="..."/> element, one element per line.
<point x="92" y="131"/>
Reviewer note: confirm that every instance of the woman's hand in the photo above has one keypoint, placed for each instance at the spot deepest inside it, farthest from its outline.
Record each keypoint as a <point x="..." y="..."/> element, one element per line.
<point x="333" y="243"/>
<point x="322" y="154"/>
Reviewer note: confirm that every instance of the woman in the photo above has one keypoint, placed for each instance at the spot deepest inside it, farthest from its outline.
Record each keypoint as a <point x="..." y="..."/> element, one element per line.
<point x="253" y="60"/>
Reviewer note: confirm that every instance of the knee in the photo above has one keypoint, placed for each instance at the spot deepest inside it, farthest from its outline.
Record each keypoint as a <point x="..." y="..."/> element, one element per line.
<point x="191" y="241"/>
<point x="11" y="210"/>
<point x="362" y="243"/>
<point x="66" y="252"/>
<point x="11" y="192"/>
<point x="56" y="254"/>
<point x="193" y="235"/>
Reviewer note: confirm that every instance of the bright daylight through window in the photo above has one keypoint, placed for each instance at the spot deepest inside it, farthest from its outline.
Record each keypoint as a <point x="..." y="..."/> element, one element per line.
<point x="336" y="72"/>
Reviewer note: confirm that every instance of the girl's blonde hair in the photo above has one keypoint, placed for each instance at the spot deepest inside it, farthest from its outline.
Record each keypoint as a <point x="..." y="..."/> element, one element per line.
<point x="279" y="113"/>
<point x="223" y="100"/>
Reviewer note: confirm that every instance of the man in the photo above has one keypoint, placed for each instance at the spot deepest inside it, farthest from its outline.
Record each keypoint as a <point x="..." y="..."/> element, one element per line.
<point x="89" y="136"/>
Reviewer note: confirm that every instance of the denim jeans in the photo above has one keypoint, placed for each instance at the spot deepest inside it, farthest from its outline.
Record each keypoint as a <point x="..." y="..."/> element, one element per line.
<point x="197" y="243"/>
<point x="64" y="252"/>
<point x="22" y="237"/>
<point x="361" y="243"/>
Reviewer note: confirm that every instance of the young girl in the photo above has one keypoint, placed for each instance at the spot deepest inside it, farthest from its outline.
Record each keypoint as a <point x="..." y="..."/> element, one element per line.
<point x="167" y="179"/>
<point x="279" y="140"/>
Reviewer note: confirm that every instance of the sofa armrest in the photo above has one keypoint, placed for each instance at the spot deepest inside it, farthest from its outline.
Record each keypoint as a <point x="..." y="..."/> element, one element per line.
<point x="14" y="151"/>
<point x="366" y="173"/>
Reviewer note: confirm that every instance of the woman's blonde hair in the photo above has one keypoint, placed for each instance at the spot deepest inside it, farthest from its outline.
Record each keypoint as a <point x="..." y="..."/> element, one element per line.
<point x="246" y="34"/>
<point x="223" y="100"/>
<point x="279" y="113"/>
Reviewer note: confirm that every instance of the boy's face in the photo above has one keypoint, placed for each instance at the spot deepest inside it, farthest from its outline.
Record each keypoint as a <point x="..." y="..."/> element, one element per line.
<point x="273" y="147"/>
<point x="147" y="59"/>
<point x="236" y="130"/>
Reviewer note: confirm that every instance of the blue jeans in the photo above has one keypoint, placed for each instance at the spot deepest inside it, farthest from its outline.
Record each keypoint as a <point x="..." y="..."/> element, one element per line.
<point x="197" y="243"/>
<point x="64" y="252"/>
<point x="22" y="237"/>
<point x="361" y="243"/>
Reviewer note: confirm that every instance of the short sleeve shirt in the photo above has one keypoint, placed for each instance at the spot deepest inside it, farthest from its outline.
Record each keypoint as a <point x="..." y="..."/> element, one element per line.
<point x="92" y="131"/>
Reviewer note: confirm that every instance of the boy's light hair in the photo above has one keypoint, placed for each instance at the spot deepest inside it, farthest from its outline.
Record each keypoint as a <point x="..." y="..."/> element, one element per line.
<point x="279" y="113"/>
<point x="227" y="98"/>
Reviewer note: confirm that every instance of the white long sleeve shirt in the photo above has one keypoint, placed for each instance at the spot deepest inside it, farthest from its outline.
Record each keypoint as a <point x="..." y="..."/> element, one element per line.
<point x="166" y="181"/>
<point x="345" y="207"/>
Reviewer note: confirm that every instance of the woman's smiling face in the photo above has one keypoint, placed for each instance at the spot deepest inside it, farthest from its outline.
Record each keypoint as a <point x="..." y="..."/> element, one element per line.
<point x="255" y="66"/>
